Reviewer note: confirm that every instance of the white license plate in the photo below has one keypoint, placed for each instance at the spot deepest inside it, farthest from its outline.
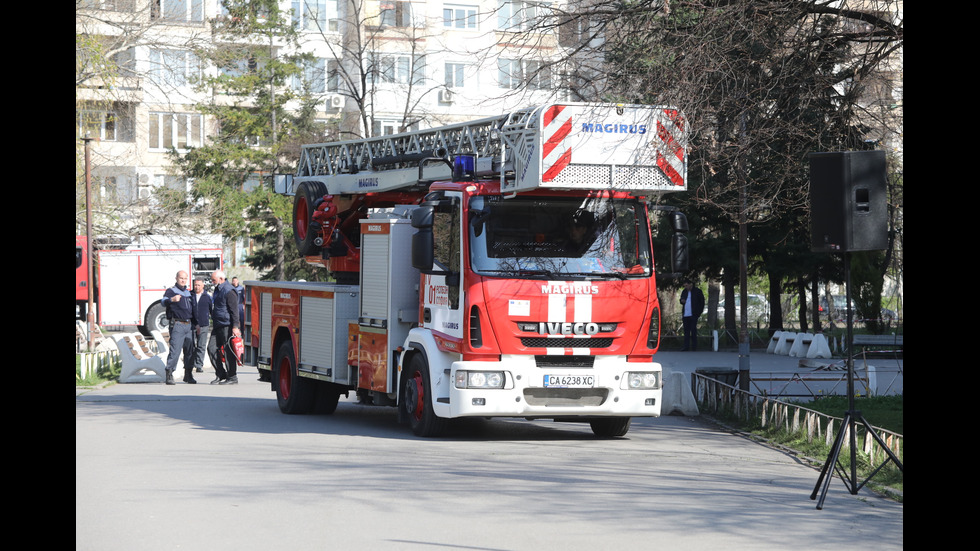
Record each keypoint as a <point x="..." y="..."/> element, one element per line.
<point x="569" y="381"/>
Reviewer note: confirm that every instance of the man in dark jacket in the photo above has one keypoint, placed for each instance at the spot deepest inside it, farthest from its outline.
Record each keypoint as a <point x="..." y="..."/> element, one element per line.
<point x="180" y="311"/>
<point x="224" y="317"/>
<point x="202" y="323"/>
<point x="692" y="304"/>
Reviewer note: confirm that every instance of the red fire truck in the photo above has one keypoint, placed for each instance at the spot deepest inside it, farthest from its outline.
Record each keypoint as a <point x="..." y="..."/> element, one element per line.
<point x="497" y="268"/>
<point x="132" y="274"/>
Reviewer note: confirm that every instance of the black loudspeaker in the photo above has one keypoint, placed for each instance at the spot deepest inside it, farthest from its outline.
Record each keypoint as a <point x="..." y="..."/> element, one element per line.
<point x="848" y="207"/>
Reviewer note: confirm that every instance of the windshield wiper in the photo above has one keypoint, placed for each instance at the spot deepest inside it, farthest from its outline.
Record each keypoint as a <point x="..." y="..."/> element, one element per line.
<point x="617" y="275"/>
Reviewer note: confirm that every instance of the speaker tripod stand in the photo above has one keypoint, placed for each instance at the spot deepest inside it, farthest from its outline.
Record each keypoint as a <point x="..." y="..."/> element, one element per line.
<point x="851" y="419"/>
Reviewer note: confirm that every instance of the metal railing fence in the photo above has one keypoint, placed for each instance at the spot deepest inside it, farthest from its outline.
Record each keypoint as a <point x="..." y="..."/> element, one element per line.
<point x="714" y="397"/>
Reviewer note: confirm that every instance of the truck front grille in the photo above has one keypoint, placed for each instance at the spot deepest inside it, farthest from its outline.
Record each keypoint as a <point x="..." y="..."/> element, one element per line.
<point x="564" y="361"/>
<point x="544" y="342"/>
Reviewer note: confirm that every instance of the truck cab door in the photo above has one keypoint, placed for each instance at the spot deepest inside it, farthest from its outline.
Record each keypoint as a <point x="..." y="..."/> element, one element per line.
<point x="437" y="253"/>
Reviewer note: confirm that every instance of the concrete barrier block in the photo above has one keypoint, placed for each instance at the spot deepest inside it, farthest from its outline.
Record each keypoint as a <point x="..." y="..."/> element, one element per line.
<point x="773" y="342"/>
<point x="786" y="339"/>
<point x="678" y="397"/>
<point x="819" y="348"/>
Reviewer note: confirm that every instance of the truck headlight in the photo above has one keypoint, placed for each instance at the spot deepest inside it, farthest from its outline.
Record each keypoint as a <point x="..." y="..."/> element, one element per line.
<point x="479" y="379"/>
<point x="643" y="380"/>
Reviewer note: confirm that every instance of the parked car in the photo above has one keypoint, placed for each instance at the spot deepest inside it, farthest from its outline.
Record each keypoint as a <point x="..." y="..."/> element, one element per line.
<point x="758" y="309"/>
<point x="839" y="310"/>
<point x="839" y="313"/>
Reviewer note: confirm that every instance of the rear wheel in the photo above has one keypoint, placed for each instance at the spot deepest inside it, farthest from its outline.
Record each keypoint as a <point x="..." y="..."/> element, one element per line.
<point x="295" y="394"/>
<point x="417" y="400"/>
<point x="610" y="427"/>
<point x="327" y="398"/>
<point x="156" y="318"/>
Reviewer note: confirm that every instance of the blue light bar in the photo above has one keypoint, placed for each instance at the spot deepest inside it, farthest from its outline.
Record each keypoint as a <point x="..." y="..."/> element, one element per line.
<point x="464" y="168"/>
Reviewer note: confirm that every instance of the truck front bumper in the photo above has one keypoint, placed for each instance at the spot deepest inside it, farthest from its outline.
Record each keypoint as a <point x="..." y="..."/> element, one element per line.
<point x="612" y="387"/>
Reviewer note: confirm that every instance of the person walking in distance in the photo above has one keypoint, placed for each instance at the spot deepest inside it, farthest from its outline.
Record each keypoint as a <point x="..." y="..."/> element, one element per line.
<point x="224" y="317"/>
<point x="180" y="312"/>
<point x="692" y="303"/>
<point x="202" y="323"/>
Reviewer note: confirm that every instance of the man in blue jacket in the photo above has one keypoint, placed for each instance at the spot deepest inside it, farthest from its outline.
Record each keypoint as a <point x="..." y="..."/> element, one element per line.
<point x="224" y="317"/>
<point x="202" y="323"/>
<point x="180" y="311"/>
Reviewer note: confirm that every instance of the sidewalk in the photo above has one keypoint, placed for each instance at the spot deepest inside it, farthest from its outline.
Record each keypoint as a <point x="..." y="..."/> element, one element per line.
<point x="887" y="374"/>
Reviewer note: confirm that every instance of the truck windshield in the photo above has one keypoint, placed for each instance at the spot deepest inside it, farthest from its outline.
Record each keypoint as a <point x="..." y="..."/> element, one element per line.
<point x="556" y="237"/>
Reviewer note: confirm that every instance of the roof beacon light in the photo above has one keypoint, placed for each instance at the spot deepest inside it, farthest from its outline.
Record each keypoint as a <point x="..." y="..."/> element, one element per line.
<point x="464" y="168"/>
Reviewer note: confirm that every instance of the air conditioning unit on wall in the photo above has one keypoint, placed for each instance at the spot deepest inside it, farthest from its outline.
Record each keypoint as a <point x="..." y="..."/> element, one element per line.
<point x="335" y="102"/>
<point x="445" y="96"/>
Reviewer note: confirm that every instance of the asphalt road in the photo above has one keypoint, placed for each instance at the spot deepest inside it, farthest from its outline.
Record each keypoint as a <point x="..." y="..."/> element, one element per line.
<point x="209" y="467"/>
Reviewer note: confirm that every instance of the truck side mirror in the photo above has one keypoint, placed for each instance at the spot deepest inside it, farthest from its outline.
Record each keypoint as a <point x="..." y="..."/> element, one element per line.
<point x="423" y="246"/>
<point x="423" y="254"/>
<point x="679" y="251"/>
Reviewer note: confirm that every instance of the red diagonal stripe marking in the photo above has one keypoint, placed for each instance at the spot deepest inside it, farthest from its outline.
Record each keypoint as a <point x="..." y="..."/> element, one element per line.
<point x="555" y="139"/>
<point x="559" y="165"/>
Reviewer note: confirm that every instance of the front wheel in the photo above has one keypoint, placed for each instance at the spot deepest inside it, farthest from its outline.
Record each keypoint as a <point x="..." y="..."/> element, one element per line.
<point x="295" y="394"/>
<point x="610" y="427"/>
<point x="417" y="400"/>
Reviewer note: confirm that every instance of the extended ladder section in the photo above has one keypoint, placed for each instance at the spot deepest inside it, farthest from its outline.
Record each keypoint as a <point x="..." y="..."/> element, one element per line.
<point x="635" y="148"/>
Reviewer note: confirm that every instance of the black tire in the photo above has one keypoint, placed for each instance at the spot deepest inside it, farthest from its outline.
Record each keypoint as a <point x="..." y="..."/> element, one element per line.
<point x="417" y="399"/>
<point x="610" y="427"/>
<point x="304" y="203"/>
<point x="156" y="318"/>
<point x="327" y="397"/>
<point x="295" y="394"/>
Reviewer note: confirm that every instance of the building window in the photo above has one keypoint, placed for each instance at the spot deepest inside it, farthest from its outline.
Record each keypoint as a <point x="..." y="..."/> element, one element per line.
<point x="521" y="15"/>
<point x="398" y="69"/>
<point x="521" y="73"/>
<point x="314" y="76"/>
<point x="175" y="130"/>
<point x="97" y="124"/>
<point x="395" y="14"/>
<point x="455" y="75"/>
<point x="176" y="183"/>
<point x="238" y="62"/>
<point x="381" y="127"/>
<point x="110" y="5"/>
<point x="174" y="67"/>
<point x="109" y="190"/>
<point x="190" y="11"/>
<point x="333" y="76"/>
<point x="315" y="15"/>
<point x="456" y="16"/>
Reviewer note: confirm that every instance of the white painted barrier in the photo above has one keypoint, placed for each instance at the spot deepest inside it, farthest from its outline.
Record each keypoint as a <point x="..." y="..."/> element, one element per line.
<point x="819" y="348"/>
<point x="678" y="397"/>
<point x="773" y="342"/>
<point x="786" y="339"/>
<point x="800" y="345"/>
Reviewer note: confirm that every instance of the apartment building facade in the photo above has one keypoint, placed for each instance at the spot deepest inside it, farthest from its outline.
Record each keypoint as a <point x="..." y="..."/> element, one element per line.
<point x="378" y="67"/>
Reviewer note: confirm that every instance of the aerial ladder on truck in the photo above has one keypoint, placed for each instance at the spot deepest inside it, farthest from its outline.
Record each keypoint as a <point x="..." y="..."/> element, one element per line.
<point x="499" y="267"/>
